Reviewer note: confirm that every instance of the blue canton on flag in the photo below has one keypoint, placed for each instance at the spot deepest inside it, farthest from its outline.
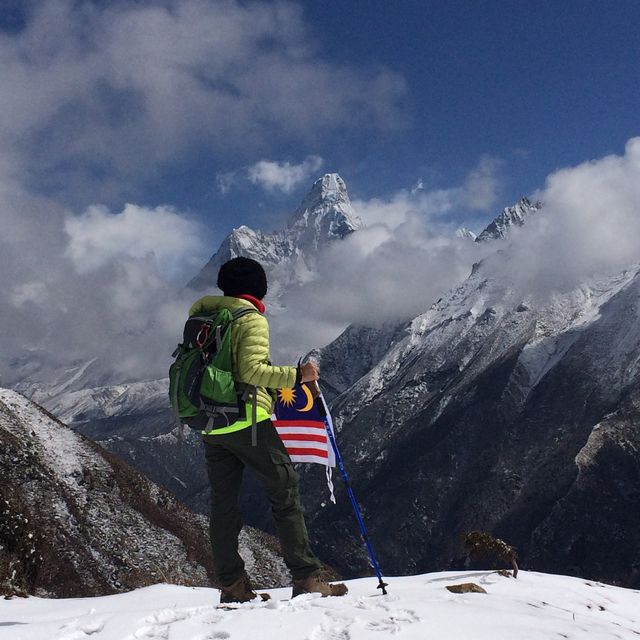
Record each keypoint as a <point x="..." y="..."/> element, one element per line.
<point x="301" y="427"/>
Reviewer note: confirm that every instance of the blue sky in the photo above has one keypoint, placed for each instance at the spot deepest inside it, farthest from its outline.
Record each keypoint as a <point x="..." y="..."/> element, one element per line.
<point x="534" y="86"/>
<point x="540" y="84"/>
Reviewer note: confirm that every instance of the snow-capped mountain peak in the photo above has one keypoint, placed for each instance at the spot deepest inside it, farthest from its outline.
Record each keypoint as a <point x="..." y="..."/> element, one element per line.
<point x="329" y="190"/>
<point x="239" y="240"/>
<point x="324" y="216"/>
<point x="463" y="232"/>
<point x="514" y="216"/>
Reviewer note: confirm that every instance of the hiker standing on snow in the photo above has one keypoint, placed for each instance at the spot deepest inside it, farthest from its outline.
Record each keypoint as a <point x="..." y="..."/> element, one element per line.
<point x="229" y="449"/>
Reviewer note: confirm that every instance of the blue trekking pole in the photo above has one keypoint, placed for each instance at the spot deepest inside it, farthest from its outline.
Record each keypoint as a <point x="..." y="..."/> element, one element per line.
<point x="322" y="407"/>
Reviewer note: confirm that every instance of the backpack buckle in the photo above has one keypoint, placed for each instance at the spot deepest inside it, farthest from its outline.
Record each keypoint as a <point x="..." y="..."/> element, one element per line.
<point x="202" y="336"/>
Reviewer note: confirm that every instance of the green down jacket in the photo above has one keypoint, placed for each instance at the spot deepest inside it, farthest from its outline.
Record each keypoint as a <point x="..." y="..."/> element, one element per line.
<point x="250" y="352"/>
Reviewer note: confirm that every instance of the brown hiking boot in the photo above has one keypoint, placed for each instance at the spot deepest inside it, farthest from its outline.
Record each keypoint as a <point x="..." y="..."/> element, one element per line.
<point x="240" y="591"/>
<point x="315" y="584"/>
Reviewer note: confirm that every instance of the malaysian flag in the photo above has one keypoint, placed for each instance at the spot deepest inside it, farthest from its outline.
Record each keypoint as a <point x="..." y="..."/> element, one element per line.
<point x="301" y="426"/>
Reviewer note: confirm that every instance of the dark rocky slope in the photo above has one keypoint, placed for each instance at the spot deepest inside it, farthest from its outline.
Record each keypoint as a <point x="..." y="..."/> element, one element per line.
<point x="493" y="414"/>
<point x="77" y="521"/>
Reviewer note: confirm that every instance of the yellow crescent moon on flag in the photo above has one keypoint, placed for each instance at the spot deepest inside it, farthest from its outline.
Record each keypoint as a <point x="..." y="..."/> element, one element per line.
<point x="309" y="404"/>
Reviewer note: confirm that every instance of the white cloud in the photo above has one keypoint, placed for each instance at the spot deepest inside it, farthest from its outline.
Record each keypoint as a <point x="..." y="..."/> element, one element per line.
<point x="482" y="186"/>
<point x="419" y="186"/>
<point x="589" y="226"/>
<point x="225" y="181"/>
<point x="479" y="192"/>
<point x="408" y="256"/>
<point x="97" y="95"/>
<point x="98" y="237"/>
<point x="117" y="306"/>
<point x="283" y="176"/>
<point x="33" y="291"/>
<point x="376" y="275"/>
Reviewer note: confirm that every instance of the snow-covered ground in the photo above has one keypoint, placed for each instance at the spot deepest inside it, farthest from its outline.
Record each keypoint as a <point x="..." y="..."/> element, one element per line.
<point x="535" y="606"/>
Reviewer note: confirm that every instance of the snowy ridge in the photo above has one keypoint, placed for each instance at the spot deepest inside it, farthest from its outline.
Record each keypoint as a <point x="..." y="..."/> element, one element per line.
<point x="289" y="255"/>
<point x="109" y="401"/>
<point x="59" y="381"/>
<point x="514" y="216"/>
<point x="532" y="607"/>
<point x="489" y="317"/>
<point x="63" y="451"/>
<point x="470" y="299"/>
<point x="463" y="232"/>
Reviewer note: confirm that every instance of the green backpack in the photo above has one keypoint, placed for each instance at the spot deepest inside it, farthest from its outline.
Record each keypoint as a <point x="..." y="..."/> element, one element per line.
<point x="202" y="390"/>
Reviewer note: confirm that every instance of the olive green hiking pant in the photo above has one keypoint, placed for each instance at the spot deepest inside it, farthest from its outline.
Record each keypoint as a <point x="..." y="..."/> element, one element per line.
<point x="227" y="455"/>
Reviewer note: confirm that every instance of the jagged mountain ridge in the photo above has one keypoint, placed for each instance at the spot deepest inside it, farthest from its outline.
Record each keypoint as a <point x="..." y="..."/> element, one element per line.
<point x="353" y="354"/>
<point x="77" y="521"/>
<point x="288" y="256"/>
<point x="359" y="348"/>
<point x="514" y="216"/>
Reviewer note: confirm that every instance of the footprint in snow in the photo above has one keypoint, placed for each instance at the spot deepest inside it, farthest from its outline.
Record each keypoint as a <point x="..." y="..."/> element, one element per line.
<point x="328" y="631"/>
<point x="211" y="617"/>
<point x="152" y="632"/>
<point x="166" y="616"/>
<point x="157" y="624"/>
<point x="369" y="604"/>
<point x="80" y="629"/>
<point x="394" y="622"/>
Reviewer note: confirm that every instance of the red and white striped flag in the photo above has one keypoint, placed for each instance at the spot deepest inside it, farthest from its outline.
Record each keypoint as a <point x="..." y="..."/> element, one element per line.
<point x="301" y="427"/>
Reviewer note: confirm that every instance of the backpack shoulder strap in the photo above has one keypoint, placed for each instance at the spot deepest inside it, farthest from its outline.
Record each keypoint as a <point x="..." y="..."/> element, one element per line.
<point x="254" y="400"/>
<point x="238" y="313"/>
